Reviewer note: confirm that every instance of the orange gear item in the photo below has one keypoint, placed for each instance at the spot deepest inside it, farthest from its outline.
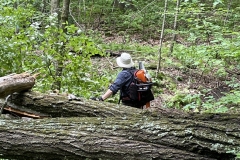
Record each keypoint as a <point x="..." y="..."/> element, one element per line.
<point x="147" y="104"/>
<point x="140" y="74"/>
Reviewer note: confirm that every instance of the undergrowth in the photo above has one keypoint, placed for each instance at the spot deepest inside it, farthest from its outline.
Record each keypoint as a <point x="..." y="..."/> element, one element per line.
<point x="188" y="66"/>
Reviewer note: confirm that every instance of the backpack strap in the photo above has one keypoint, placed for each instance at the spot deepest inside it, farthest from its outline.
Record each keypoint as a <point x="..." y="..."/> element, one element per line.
<point x="130" y="70"/>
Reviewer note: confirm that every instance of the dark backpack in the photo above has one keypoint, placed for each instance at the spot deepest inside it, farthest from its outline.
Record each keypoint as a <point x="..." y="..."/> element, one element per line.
<point x="140" y="92"/>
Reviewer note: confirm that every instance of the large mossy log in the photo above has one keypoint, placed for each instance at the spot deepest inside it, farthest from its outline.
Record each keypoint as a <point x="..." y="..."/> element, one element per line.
<point x="108" y="131"/>
<point x="16" y="83"/>
<point x="138" y="137"/>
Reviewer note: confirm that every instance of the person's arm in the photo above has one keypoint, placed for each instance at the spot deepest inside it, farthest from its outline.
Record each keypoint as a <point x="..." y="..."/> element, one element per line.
<point x="107" y="94"/>
<point x="118" y="83"/>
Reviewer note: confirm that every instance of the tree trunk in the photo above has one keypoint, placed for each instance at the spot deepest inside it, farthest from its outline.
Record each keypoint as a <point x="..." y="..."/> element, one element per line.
<point x="59" y="63"/>
<point x="161" y="37"/>
<point x="44" y="6"/>
<point x="55" y="8"/>
<point x="64" y="15"/>
<point x="174" y="28"/>
<point x="138" y="137"/>
<point x="15" y="83"/>
<point x="55" y="4"/>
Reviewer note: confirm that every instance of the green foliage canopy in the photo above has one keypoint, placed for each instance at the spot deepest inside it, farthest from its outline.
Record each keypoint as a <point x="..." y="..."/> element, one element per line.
<point x="33" y="44"/>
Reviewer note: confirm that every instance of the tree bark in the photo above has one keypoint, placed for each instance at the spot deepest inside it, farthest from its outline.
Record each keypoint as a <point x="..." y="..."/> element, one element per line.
<point x="15" y="83"/>
<point x="55" y="8"/>
<point x="161" y="37"/>
<point x="174" y="28"/>
<point x="109" y="131"/>
<point x="138" y="137"/>
<point x="44" y="6"/>
<point x="55" y="4"/>
<point x="60" y="105"/>
<point x="59" y="62"/>
<point x="64" y="15"/>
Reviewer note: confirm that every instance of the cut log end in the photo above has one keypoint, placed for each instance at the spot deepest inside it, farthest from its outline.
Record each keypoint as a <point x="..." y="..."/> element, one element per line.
<point x="16" y="83"/>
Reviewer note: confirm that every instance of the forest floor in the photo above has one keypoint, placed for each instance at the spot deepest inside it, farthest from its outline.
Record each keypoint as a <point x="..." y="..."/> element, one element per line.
<point x="174" y="82"/>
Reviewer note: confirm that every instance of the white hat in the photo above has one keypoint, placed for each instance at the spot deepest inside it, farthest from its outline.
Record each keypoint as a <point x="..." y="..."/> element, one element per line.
<point x="125" y="61"/>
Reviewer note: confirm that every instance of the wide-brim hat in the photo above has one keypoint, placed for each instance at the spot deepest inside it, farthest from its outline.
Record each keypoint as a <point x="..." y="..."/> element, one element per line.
<point x="125" y="61"/>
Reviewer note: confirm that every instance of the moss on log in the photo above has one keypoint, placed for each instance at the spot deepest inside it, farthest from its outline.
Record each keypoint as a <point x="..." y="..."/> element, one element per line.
<point x="108" y="131"/>
<point x="139" y="137"/>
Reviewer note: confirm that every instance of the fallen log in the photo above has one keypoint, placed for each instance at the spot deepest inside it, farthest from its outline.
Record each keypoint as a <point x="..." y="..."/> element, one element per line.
<point x="60" y="105"/>
<point x="108" y="131"/>
<point x="16" y="83"/>
<point x="138" y="137"/>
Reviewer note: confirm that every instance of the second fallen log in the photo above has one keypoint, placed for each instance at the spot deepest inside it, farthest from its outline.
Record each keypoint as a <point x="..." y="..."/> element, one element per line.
<point x="15" y="83"/>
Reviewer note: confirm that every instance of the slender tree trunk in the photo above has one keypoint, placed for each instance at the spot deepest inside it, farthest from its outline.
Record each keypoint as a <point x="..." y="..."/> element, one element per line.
<point x="59" y="63"/>
<point x="161" y="37"/>
<point x="55" y="4"/>
<point x="55" y="9"/>
<point x="228" y="10"/>
<point x="65" y="14"/>
<point x="44" y="5"/>
<point x="174" y="28"/>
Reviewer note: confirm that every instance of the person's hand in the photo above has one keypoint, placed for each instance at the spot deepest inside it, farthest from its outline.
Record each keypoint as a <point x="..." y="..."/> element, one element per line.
<point x="97" y="98"/>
